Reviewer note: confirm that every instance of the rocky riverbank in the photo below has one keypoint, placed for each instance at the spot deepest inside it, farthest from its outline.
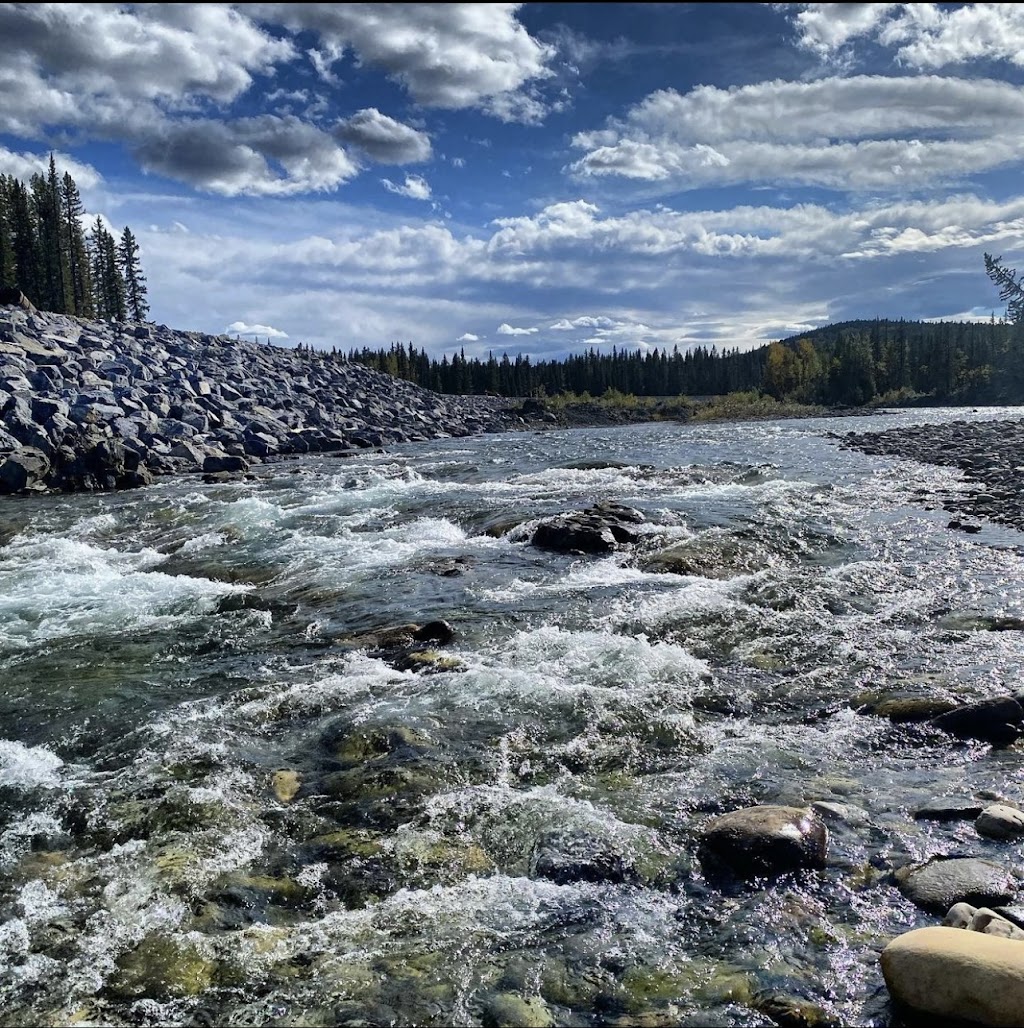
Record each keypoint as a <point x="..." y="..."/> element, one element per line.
<point x="987" y="452"/>
<point x="93" y="405"/>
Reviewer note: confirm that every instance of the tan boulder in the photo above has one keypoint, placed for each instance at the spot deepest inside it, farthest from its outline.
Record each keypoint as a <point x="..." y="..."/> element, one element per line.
<point x="951" y="973"/>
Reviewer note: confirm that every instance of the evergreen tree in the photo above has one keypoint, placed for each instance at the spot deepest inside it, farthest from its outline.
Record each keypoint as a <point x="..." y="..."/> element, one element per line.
<point x="108" y="283"/>
<point x="7" y="269"/>
<point x="135" y="290"/>
<point x="72" y="212"/>
<point x="27" y="273"/>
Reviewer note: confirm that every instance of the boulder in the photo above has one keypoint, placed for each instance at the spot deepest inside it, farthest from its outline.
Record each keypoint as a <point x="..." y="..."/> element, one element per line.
<point x="598" y="529"/>
<point x="25" y="470"/>
<point x="1000" y="821"/>
<point x="766" y="840"/>
<point x="217" y="463"/>
<point x="997" y="721"/>
<point x="944" y="881"/>
<point x="564" y="857"/>
<point x="950" y="973"/>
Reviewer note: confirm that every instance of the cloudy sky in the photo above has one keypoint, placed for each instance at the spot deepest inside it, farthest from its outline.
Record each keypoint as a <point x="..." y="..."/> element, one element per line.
<point x="538" y="177"/>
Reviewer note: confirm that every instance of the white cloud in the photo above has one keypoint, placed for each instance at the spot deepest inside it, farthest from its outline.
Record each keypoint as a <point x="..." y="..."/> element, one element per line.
<point x="24" y="165"/>
<point x="505" y="329"/>
<point x="452" y="55"/>
<point x="458" y="162"/>
<point x="584" y="321"/>
<point x="468" y="337"/>
<point x="925" y="36"/>
<point x="863" y="132"/>
<point x="243" y="328"/>
<point x="384" y="139"/>
<point x="415" y="187"/>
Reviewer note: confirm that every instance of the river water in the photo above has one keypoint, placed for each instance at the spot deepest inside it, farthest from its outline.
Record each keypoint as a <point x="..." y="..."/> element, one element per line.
<point x="508" y="836"/>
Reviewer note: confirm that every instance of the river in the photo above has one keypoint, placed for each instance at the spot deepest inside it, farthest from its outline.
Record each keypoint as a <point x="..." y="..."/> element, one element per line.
<point x="507" y="835"/>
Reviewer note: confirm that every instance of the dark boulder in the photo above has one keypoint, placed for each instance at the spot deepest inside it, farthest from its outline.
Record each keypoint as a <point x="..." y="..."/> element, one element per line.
<point x="565" y="857"/>
<point x="25" y="470"/>
<point x="998" y="721"/>
<point x="602" y="528"/>
<point x="765" y="840"/>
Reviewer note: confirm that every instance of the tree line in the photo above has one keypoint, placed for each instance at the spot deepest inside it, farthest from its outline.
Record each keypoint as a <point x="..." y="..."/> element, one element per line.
<point x="847" y="364"/>
<point x="47" y="253"/>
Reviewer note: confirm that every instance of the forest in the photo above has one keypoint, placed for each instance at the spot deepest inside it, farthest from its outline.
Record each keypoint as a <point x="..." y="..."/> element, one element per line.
<point x="848" y="364"/>
<point x="46" y="252"/>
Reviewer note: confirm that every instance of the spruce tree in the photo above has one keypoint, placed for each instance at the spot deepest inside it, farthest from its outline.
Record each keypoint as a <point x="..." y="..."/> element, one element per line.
<point x="134" y="281"/>
<point x="27" y="274"/>
<point x="7" y="270"/>
<point x="72" y="212"/>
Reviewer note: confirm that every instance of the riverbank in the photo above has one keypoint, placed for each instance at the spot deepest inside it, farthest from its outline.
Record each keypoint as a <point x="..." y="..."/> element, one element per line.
<point x="987" y="452"/>
<point x="91" y="405"/>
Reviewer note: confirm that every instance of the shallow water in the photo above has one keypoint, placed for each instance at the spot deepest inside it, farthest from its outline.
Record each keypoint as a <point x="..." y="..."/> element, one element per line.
<point x="165" y="651"/>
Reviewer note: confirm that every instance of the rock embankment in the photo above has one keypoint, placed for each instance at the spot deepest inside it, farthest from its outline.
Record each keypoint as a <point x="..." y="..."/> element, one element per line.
<point x="989" y="453"/>
<point x="94" y="405"/>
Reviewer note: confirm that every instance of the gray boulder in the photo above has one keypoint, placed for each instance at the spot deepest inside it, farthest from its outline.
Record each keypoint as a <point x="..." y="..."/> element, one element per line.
<point x="765" y="840"/>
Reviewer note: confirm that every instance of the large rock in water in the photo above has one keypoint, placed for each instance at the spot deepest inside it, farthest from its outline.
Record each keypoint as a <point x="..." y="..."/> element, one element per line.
<point x="998" y="721"/>
<point x="598" y="529"/>
<point x="950" y="973"/>
<point x="943" y="882"/>
<point x="24" y="471"/>
<point x="766" y="840"/>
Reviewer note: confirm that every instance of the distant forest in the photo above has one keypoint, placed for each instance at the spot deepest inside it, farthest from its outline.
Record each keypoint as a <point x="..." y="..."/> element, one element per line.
<point x="847" y="364"/>
<point x="46" y="252"/>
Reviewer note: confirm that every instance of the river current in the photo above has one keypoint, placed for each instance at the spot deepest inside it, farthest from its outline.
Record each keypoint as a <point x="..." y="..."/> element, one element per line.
<point x="165" y="652"/>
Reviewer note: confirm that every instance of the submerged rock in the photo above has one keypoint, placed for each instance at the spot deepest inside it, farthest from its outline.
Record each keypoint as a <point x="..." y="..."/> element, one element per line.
<point x="950" y="973"/>
<point x="766" y="840"/>
<point x="162" y="967"/>
<point x="944" y="881"/>
<point x="565" y="857"/>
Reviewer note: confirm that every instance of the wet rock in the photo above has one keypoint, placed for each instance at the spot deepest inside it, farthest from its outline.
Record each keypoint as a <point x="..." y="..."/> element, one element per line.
<point x="996" y="721"/>
<point x="509" y="1010"/>
<point x="948" y="973"/>
<point x="566" y="857"/>
<point x="949" y="808"/>
<point x="162" y="967"/>
<point x="350" y="743"/>
<point x="792" y="1012"/>
<point x="224" y="463"/>
<point x="959" y="915"/>
<point x="942" y="882"/>
<point x="1000" y="821"/>
<point x="906" y="710"/>
<point x="603" y="528"/>
<point x="286" y="785"/>
<point x="766" y="840"/>
<point x="427" y="662"/>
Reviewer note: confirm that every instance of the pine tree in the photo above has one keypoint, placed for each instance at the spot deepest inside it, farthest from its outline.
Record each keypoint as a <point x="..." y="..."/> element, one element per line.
<point x="7" y="270"/>
<point x="27" y="274"/>
<point x="108" y="283"/>
<point x="135" y="290"/>
<point x="52" y="254"/>
<point x="72" y="212"/>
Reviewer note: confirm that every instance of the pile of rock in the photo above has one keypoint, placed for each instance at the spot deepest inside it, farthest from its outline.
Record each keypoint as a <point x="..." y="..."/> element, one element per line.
<point x="96" y="405"/>
<point x="987" y="452"/>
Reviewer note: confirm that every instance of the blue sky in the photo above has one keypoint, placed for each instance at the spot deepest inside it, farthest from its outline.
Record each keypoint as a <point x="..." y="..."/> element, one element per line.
<point x="534" y="178"/>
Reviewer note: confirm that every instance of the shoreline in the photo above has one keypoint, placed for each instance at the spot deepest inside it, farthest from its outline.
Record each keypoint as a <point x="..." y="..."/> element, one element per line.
<point x="986" y="452"/>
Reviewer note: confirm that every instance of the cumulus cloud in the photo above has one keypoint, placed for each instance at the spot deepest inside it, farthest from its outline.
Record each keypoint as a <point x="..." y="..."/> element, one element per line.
<point x="862" y="132"/>
<point x="384" y="139"/>
<point x="268" y="155"/>
<point x="505" y="329"/>
<point x="584" y="321"/>
<point x="24" y="165"/>
<point x="166" y="51"/>
<point x="924" y="36"/>
<point x="468" y="337"/>
<point x="243" y="328"/>
<point x="452" y="55"/>
<point x="415" y="187"/>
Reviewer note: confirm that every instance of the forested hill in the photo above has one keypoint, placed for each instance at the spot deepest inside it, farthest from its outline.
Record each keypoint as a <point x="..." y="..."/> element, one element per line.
<point x="850" y="363"/>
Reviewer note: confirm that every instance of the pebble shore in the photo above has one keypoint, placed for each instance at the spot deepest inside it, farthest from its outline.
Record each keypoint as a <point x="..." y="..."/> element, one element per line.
<point x="989" y="453"/>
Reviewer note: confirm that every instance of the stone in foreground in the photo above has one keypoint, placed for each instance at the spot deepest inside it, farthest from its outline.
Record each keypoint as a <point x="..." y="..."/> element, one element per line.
<point x="1000" y="821"/>
<point x="996" y="721"/>
<point x="951" y="973"/>
<point x="766" y="840"/>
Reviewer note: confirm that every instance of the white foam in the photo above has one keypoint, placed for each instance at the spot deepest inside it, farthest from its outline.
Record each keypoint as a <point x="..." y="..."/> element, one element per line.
<point x="28" y="767"/>
<point x="52" y="588"/>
